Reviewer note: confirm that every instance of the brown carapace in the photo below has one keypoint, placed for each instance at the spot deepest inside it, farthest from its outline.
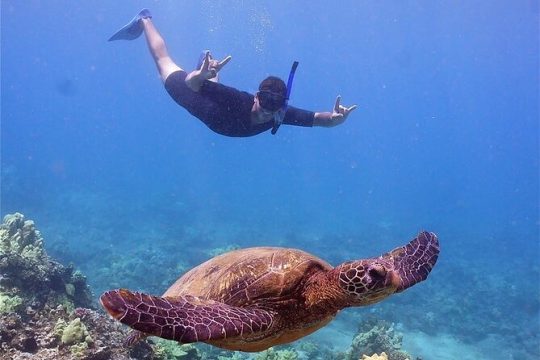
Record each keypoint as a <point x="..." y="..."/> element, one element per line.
<point x="255" y="298"/>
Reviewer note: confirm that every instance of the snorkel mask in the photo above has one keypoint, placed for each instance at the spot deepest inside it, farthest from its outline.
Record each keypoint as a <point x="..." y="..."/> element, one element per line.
<point x="271" y="101"/>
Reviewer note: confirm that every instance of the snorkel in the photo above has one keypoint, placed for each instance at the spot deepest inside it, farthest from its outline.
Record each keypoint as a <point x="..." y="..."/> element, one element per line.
<point x="278" y="116"/>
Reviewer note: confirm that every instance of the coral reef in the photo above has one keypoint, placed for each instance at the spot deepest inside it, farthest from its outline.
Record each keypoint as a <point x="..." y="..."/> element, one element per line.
<point x="74" y="332"/>
<point x="383" y="356"/>
<point x="45" y="307"/>
<point x="272" y="354"/>
<point x="170" y="350"/>
<point x="29" y="279"/>
<point x="376" y="336"/>
<point x="314" y="351"/>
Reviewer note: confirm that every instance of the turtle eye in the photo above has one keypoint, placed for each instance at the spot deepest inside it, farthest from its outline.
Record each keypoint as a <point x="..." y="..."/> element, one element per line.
<point x="377" y="272"/>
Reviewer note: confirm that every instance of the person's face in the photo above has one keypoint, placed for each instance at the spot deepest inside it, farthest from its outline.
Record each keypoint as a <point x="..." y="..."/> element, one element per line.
<point x="270" y="102"/>
<point x="263" y="114"/>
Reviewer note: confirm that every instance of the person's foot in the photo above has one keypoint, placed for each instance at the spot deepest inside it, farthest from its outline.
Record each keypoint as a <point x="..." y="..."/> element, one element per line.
<point x="145" y="14"/>
<point x="134" y="28"/>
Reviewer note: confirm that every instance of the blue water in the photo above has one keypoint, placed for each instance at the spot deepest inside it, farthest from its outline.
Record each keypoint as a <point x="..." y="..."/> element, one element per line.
<point x="445" y="138"/>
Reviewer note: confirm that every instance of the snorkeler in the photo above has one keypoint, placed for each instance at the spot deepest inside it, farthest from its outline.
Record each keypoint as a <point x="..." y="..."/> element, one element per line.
<point x="224" y="109"/>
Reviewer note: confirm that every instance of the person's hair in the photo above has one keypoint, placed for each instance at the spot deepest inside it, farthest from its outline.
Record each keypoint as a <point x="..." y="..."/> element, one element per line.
<point x="274" y="85"/>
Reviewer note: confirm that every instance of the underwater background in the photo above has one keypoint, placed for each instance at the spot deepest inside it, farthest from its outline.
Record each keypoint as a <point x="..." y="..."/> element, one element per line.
<point x="133" y="191"/>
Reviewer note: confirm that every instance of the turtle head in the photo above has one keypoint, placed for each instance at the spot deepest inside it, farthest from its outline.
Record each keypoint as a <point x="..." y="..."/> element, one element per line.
<point x="367" y="281"/>
<point x="371" y="280"/>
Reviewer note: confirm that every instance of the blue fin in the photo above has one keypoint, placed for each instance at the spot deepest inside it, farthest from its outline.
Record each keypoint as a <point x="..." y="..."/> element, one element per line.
<point x="133" y="29"/>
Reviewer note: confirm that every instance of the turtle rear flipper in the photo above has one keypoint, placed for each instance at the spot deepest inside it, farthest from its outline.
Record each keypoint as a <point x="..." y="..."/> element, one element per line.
<point x="414" y="261"/>
<point x="185" y="319"/>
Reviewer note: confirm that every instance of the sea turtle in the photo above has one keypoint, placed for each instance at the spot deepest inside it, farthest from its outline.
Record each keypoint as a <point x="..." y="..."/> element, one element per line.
<point x="255" y="298"/>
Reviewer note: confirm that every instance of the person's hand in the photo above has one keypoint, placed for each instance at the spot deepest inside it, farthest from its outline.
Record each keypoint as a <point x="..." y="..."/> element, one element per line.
<point x="340" y="112"/>
<point x="210" y="67"/>
<point x="209" y="70"/>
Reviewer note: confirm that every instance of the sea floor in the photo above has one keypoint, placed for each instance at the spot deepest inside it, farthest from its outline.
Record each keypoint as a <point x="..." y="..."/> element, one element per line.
<point x="442" y="346"/>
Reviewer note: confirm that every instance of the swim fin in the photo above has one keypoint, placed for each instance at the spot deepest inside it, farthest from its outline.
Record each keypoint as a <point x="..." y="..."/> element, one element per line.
<point x="133" y="29"/>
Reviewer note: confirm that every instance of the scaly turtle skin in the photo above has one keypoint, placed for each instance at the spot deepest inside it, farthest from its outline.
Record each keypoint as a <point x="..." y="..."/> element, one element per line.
<point x="252" y="299"/>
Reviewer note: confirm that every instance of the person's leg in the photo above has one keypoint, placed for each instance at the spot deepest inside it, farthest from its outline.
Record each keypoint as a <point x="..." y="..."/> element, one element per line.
<point x="156" y="45"/>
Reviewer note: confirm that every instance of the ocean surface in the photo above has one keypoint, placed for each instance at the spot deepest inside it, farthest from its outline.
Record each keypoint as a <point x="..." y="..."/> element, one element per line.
<point x="133" y="190"/>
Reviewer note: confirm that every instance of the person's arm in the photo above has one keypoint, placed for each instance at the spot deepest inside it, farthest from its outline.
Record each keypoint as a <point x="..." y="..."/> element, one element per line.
<point x="209" y="70"/>
<point x="334" y="118"/>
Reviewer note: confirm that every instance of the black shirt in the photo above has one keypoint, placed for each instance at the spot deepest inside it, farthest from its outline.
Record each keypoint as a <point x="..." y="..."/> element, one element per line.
<point x="225" y="109"/>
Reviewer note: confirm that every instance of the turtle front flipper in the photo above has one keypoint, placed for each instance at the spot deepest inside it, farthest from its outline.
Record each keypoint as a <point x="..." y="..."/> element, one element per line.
<point x="185" y="319"/>
<point x="414" y="261"/>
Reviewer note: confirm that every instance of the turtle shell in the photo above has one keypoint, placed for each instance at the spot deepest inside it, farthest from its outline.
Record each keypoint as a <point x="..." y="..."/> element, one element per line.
<point x="252" y="276"/>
